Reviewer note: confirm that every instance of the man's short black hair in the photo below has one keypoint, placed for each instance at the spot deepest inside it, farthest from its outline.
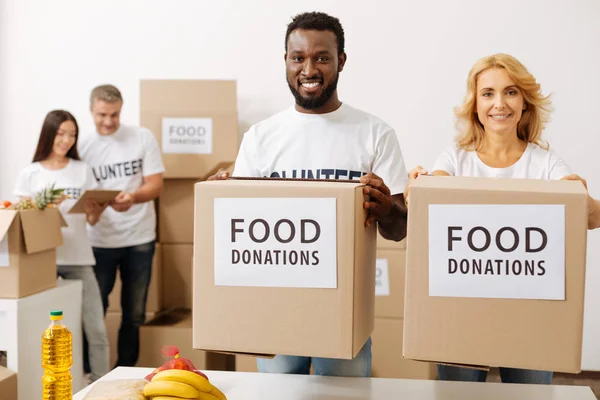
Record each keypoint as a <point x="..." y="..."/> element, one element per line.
<point x="317" y="21"/>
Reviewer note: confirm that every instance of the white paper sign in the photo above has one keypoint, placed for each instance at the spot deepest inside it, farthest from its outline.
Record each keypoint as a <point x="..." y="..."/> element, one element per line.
<point x="275" y="242"/>
<point x="4" y="251"/>
<point x="497" y="251"/>
<point x="382" y="277"/>
<point x="187" y="135"/>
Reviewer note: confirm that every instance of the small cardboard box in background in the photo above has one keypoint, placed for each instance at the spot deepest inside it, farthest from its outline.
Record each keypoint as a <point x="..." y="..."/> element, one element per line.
<point x="195" y="123"/>
<point x="8" y="384"/>
<point x="387" y="354"/>
<point x="495" y="272"/>
<point x="389" y="283"/>
<point x="28" y="242"/>
<point x="175" y="329"/>
<point x="154" y="303"/>
<point x="283" y="267"/>
<point x="385" y="244"/>
<point x="176" y="211"/>
<point x="177" y="283"/>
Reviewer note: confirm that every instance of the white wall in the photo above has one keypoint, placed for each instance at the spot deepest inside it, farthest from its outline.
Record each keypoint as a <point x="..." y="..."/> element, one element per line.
<point x="407" y="63"/>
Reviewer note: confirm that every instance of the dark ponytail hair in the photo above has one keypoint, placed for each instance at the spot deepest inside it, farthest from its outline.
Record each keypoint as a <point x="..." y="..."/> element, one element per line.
<point x="48" y="134"/>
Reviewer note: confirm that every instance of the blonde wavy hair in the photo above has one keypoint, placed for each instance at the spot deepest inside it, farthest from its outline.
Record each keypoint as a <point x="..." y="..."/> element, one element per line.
<point x="534" y="118"/>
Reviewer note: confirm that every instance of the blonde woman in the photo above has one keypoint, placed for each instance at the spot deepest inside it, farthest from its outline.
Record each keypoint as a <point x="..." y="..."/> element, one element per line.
<point x="500" y="135"/>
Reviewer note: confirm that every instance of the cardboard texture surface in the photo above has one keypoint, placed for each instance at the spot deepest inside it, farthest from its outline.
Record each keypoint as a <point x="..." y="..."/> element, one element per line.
<point x="175" y="329"/>
<point x="496" y="332"/>
<point x="286" y="320"/>
<point x="176" y="211"/>
<point x="392" y="306"/>
<point x="177" y="282"/>
<point x="188" y="104"/>
<point x="8" y="384"/>
<point x="31" y="238"/>
<point x="154" y="302"/>
<point x="390" y="244"/>
<point x="387" y="354"/>
<point x="100" y="196"/>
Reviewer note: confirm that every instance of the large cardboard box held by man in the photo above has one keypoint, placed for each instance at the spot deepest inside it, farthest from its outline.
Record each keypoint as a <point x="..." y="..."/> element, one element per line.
<point x="495" y="272"/>
<point x="28" y="242"/>
<point x="195" y="123"/>
<point x="283" y="267"/>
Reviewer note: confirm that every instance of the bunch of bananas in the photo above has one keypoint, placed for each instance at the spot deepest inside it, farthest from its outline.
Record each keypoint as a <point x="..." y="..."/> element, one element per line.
<point x="181" y="384"/>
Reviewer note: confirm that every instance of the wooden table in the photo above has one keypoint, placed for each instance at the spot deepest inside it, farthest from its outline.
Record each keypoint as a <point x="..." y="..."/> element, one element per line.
<point x="261" y="386"/>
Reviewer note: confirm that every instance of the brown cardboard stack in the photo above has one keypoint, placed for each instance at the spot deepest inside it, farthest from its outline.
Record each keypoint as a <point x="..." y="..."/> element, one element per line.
<point x="496" y="272"/>
<point x="283" y="267"/>
<point x="8" y="384"/>
<point x="28" y="242"/>
<point x="389" y="316"/>
<point x="195" y="123"/>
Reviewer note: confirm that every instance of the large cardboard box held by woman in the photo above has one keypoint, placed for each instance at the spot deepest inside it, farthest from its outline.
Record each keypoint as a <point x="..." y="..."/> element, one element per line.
<point x="495" y="272"/>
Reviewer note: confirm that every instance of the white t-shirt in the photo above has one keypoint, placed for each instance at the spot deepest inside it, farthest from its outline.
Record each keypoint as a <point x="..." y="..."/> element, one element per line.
<point x="344" y="144"/>
<point x="120" y="162"/>
<point x="535" y="163"/>
<point x="75" y="178"/>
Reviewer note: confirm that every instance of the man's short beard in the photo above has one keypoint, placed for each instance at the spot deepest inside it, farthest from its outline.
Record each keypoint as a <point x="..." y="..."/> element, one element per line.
<point x="314" y="102"/>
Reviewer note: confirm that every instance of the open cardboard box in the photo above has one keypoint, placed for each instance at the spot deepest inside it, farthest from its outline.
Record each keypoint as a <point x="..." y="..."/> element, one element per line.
<point x="28" y="242"/>
<point x="495" y="272"/>
<point x="304" y="287"/>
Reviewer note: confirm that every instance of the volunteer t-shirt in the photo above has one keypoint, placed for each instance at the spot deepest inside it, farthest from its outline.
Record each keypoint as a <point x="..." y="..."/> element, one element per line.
<point x="535" y="163"/>
<point x="120" y="162"/>
<point x="344" y="144"/>
<point x="75" y="178"/>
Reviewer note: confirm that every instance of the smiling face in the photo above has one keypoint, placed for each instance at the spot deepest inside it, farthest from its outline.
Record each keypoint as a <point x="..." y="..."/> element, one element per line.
<point x="499" y="101"/>
<point x="106" y="116"/>
<point x="312" y="68"/>
<point x="64" y="139"/>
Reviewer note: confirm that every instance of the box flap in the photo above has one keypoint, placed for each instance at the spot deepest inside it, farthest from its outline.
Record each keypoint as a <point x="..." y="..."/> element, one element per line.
<point x="41" y="229"/>
<point x="499" y="184"/>
<point x="6" y="219"/>
<point x="5" y="373"/>
<point x="305" y="182"/>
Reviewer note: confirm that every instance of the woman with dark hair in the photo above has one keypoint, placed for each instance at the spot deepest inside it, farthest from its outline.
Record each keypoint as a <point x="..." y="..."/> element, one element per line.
<point x="56" y="162"/>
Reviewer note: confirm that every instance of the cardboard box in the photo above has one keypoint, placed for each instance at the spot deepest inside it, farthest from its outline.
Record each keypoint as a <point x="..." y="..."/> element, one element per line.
<point x="389" y="283"/>
<point x="28" y="242"/>
<point x="8" y="384"/>
<point x="195" y="123"/>
<point x="177" y="283"/>
<point x="385" y="244"/>
<point x="112" y="321"/>
<point x="176" y="211"/>
<point x="283" y="267"/>
<point x="154" y="301"/>
<point x="387" y="354"/>
<point x="495" y="272"/>
<point x="245" y="363"/>
<point x="175" y="329"/>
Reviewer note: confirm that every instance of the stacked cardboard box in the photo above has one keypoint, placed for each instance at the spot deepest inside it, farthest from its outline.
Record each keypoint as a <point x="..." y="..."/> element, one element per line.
<point x="389" y="316"/>
<point x="195" y="124"/>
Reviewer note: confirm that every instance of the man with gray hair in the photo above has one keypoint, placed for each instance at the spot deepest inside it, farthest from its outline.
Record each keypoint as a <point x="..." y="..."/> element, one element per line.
<point x="125" y="158"/>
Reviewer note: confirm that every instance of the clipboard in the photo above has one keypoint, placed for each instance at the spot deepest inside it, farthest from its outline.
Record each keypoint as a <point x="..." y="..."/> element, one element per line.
<point x="101" y="196"/>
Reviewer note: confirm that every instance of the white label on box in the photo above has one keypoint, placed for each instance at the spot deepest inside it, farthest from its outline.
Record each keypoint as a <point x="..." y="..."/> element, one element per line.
<point x="382" y="277"/>
<point x="497" y="251"/>
<point x="187" y="135"/>
<point x="4" y="260"/>
<point x="275" y="242"/>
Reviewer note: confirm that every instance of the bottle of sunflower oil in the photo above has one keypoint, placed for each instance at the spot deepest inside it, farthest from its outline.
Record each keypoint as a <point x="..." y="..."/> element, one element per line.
<point x="57" y="359"/>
